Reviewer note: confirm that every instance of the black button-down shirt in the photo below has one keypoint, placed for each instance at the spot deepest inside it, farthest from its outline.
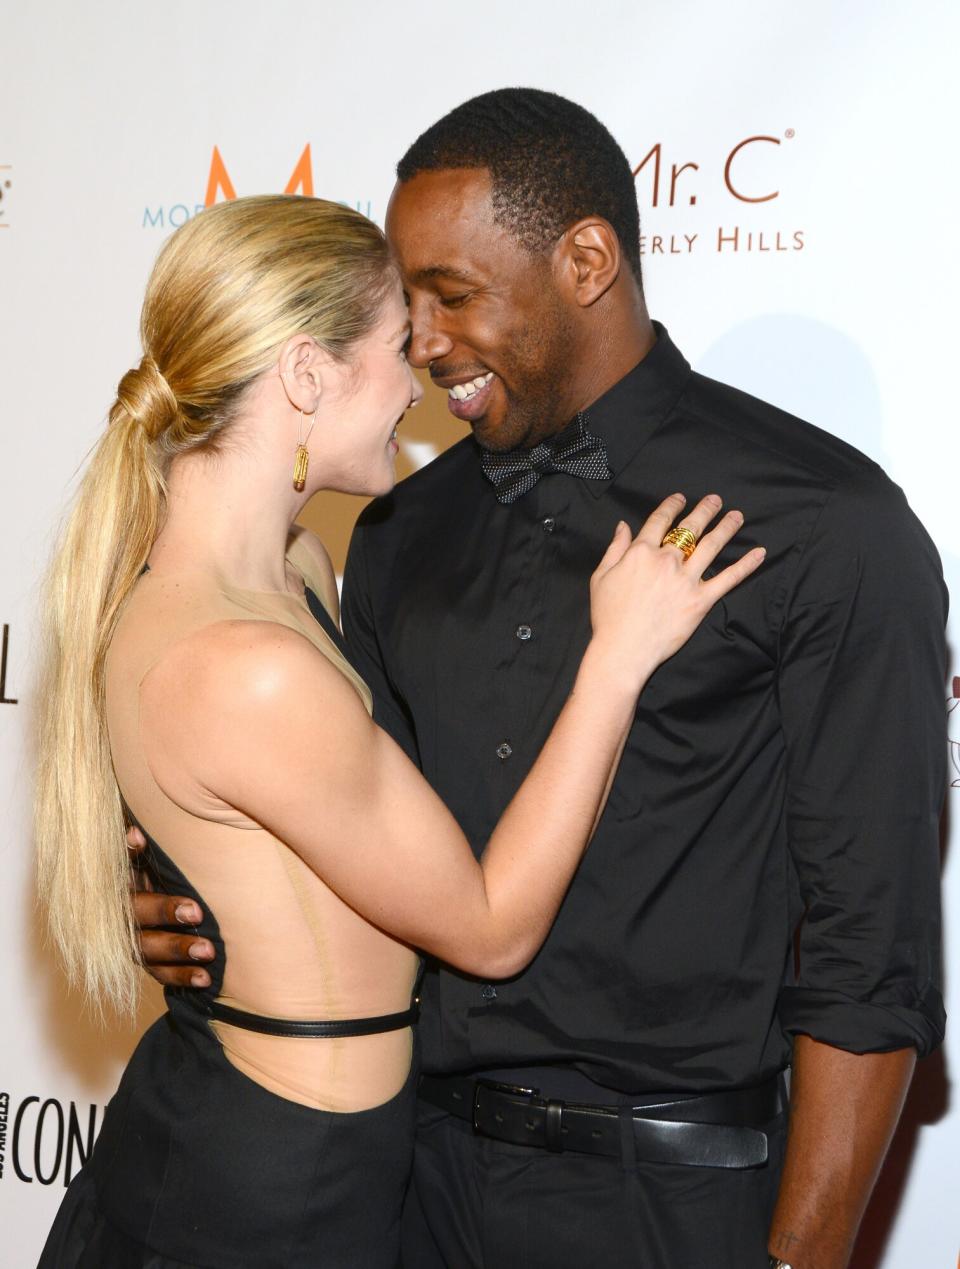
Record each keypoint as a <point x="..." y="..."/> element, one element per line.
<point x="789" y="760"/>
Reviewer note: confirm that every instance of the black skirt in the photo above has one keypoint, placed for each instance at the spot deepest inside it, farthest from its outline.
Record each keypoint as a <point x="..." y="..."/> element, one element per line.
<point x="199" y="1167"/>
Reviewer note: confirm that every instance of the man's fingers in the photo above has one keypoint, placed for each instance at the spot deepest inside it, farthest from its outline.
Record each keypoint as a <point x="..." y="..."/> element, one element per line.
<point x="162" y="950"/>
<point x="733" y="575"/>
<point x="177" y="977"/>
<point x="175" y="960"/>
<point x="152" y="910"/>
<point x="189" y="975"/>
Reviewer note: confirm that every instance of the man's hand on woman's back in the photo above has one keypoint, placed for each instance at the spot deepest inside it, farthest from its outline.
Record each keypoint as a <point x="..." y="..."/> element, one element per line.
<point x="175" y="960"/>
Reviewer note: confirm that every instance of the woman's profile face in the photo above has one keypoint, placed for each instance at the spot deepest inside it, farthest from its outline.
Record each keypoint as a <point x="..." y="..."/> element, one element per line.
<point x="360" y="424"/>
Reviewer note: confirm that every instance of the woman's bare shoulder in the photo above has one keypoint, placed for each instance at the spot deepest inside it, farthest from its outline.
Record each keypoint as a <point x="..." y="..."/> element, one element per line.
<point x="240" y="702"/>
<point x="231" y="665"/>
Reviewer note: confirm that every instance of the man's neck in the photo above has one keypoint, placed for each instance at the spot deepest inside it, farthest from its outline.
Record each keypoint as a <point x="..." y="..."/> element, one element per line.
<point x="624" y="340"/>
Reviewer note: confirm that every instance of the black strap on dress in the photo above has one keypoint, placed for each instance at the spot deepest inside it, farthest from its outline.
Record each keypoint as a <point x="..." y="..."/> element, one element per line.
<point x="316" y="1030"/>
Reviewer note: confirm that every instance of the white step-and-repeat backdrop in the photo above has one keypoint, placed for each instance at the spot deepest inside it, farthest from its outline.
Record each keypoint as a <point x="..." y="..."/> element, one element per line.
<point x="796" y="176"/>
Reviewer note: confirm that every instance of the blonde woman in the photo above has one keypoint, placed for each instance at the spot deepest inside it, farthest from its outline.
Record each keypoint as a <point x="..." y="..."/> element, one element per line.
<point x="197" y="686"/>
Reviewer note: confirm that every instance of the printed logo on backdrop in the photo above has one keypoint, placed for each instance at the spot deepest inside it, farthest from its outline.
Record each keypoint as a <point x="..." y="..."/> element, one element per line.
<point x="953" y="731"/>
<point x="220" y="185"/>
<point x="744" y="177"/>
<point x="44" y="1140"/>
<point x="4" y="649"/>
<point x="6" y="185"/>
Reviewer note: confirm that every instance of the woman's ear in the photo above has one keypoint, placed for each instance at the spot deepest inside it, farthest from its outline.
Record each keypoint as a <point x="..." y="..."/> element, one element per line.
<point x="302" y="365"/>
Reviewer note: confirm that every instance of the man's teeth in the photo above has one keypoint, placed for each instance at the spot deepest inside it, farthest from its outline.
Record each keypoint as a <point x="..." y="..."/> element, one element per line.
<point x="461" y="391"/>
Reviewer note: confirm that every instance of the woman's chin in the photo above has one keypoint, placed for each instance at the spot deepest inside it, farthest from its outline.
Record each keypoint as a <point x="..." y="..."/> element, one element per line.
<point x="373" y="485"/>
<point x="380" y="490"/>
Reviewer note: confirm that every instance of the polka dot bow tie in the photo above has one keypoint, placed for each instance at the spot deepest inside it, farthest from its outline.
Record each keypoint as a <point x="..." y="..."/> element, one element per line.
<point x="575" y="451"/>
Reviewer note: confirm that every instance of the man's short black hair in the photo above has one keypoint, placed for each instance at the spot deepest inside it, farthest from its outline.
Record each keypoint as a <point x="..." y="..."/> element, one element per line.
<point x="551" y="163"/>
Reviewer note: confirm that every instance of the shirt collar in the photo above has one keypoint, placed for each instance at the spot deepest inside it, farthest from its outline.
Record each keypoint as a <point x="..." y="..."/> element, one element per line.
<point x="628" y="414"/>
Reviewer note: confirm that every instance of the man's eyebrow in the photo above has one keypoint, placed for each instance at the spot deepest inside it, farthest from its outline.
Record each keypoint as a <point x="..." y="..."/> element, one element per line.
<point x="443" y="271"/>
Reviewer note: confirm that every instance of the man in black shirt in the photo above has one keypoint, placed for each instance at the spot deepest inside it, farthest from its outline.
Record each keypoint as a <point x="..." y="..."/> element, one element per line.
<point x="787" y="764"/>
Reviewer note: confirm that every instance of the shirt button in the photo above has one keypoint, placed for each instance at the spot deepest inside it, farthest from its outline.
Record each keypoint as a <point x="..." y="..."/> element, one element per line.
<point x="489" y="992"/>
<point x="524" y="633"/>
<point x="548" y="525"/>
<point x="504" y="751"/>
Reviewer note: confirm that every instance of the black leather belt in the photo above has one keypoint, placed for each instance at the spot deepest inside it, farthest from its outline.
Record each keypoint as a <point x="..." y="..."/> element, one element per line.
<point x="715" y="1130"/>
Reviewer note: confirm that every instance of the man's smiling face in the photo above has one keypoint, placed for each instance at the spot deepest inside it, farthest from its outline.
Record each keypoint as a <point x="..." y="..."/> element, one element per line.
<point x="488" y="317"/>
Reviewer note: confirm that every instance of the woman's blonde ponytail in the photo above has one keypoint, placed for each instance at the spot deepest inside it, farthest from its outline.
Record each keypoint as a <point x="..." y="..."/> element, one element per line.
<point x="84" y="878"/>
<point x="227" y="289"/>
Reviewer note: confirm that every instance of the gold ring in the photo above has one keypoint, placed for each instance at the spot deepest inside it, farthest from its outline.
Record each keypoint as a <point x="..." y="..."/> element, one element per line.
<point x="684" y="540"/>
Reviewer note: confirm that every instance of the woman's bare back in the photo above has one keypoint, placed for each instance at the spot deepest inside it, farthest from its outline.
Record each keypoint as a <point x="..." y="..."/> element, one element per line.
<point x="328" y="962"/>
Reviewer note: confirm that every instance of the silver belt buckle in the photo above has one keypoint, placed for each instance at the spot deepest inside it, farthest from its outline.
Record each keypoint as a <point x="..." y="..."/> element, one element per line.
<point x="512" y="1090"/>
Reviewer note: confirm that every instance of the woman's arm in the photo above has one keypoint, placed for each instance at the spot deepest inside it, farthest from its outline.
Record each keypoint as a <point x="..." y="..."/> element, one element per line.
<point x="274" y="731"/>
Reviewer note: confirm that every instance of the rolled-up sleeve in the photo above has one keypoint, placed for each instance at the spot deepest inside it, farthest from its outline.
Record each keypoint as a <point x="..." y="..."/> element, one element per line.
<point x="861" y="682"/>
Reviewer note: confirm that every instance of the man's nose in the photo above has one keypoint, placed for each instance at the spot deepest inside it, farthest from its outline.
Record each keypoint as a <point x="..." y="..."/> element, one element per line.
<point x="427" y="342"/>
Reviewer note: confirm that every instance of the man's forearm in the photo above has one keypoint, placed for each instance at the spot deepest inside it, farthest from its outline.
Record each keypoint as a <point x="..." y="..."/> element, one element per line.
<point x="844" y="1108"/>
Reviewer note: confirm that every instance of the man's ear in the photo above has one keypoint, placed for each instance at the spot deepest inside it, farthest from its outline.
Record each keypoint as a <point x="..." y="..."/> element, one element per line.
<point x="589" y="259"/>
<point x="302" y="364"/>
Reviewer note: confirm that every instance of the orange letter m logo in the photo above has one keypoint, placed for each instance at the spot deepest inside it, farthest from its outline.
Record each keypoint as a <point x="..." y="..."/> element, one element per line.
<point x="219" y="182"/>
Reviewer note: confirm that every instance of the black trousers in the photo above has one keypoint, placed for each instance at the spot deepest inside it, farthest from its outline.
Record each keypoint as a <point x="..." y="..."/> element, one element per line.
<point x="474" y="1203"/>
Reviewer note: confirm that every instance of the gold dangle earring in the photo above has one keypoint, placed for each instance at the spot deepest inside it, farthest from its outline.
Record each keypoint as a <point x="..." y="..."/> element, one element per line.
<point x="301" y="459"/>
